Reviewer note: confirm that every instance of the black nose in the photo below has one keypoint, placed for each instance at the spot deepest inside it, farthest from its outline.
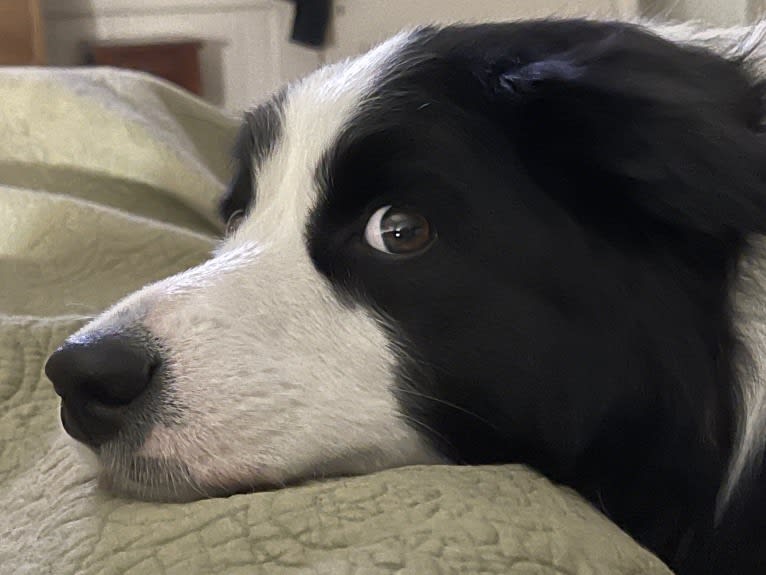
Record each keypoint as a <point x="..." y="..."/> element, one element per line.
<point x="97" y="380"/>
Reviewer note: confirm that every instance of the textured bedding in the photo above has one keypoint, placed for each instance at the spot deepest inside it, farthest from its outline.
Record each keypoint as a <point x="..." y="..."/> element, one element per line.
<point x="109" y="180"/>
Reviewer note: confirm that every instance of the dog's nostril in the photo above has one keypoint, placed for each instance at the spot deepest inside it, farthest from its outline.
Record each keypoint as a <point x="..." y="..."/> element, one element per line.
<point x="95" y="378"/>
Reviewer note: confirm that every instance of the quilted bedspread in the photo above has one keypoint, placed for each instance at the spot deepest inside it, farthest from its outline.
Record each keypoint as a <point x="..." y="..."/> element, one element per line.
<point x="109" y="180"/>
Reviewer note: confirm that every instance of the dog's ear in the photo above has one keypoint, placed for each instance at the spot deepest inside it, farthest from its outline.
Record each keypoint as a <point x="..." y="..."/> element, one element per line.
<point x="239" y="192"/>
<point x="257" y="137"/>
<point x="631" y="124"/>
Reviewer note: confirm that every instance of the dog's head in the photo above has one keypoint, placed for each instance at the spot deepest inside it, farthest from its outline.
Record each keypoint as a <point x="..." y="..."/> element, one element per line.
<point x="460" y="246"/>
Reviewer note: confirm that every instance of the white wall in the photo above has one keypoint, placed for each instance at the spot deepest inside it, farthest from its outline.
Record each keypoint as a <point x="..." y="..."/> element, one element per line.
<point x="247" y="54"/>
<point x="717" y="12"/>
<point x="728" y="12"/>
<point x="360" y="23"/>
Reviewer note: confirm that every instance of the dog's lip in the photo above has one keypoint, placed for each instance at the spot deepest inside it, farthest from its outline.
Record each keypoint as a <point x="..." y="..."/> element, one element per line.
<point x="89" y="437"/>
<point x="71" y="427"/>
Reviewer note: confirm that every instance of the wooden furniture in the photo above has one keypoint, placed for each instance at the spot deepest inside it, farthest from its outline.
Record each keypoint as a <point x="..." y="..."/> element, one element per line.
<point x="22" y="41"/>
<point x="174" y="60"/>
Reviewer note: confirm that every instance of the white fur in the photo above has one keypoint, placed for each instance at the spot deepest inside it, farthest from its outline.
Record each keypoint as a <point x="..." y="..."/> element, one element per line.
<point x="749" y="293"/>
<point x="749" y="305"/>
<point x="275" y="378"/>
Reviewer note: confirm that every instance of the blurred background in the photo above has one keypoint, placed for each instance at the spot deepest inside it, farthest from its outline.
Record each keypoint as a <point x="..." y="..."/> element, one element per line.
<point x="235" y="52"/>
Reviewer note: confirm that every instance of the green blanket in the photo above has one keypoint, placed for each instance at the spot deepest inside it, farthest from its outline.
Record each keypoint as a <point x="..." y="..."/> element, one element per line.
<point x="109" y="180"/>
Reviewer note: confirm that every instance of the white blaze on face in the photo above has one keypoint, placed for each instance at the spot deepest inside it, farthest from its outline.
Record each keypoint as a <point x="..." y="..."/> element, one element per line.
<point x="276" y="380"/>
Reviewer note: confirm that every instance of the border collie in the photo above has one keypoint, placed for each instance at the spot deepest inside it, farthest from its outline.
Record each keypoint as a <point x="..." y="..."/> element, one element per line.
<point x="532" y="242"/>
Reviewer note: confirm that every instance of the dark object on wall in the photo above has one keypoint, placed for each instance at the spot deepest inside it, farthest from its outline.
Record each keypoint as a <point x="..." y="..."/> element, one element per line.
<point x="311" y="22"/>
<point x="173" y="60"/>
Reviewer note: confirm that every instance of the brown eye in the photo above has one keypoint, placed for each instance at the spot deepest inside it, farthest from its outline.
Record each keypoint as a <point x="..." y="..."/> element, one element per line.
<point x="234" y="220"/>
<point x="397" y="231"/>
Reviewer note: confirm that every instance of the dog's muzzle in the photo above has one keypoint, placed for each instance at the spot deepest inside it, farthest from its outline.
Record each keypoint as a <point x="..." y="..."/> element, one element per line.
<point x="98" y="381"/>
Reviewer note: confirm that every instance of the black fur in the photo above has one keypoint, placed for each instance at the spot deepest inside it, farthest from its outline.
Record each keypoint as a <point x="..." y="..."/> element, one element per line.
<point x="592" y="187"/>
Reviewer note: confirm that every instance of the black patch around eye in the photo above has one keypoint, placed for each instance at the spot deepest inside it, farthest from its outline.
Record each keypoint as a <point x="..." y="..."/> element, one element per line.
<point x="257" y="138"/>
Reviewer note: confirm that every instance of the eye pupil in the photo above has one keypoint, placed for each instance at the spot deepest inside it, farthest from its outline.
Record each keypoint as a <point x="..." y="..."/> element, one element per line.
<point x="404" y="231"/>
<point x="398" y="231"/>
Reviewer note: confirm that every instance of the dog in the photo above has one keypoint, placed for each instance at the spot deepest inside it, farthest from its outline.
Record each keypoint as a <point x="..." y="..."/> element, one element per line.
<point x="535" y="242"/>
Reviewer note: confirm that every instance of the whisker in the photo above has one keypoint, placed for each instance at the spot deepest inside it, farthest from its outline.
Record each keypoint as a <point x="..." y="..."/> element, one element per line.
<point x="449" y="404"/>
<point x="427" y="427"/>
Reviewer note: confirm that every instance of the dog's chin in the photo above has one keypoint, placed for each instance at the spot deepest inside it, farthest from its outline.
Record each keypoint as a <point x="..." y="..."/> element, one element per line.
<point x="153" y="491"/>
<point x="127" y="473"/>
<point x="155" y="479"/>
<point x="147" y="479"/>
<point x="169" y="486"/>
